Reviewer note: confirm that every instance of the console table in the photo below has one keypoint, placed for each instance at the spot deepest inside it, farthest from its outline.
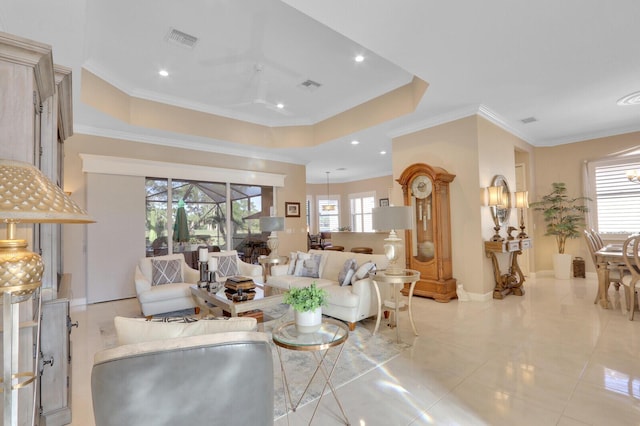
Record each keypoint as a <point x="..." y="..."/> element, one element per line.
<point x="509" y="282"/>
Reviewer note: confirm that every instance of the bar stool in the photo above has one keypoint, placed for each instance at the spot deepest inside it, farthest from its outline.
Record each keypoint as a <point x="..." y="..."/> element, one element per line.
<point x="364" y="250"/>
<point x="335" y="248"/>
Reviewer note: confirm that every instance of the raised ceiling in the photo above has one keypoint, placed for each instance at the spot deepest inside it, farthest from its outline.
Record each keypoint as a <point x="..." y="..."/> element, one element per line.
<point x="564" y="63"/>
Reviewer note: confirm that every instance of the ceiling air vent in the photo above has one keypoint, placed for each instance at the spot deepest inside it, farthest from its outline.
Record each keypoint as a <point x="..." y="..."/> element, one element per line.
<point x="529" y="120"/>
<point x="182" y="39"/>
<point x="309" y="85"/>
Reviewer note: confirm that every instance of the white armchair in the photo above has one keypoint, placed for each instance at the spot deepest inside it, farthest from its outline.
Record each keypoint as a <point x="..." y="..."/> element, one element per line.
<point x="229" y="264"/>
<point x="172" y="295"/>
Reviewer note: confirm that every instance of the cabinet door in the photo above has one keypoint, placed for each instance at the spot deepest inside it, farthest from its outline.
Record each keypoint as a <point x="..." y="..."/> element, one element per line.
<point x="55" y="379"/>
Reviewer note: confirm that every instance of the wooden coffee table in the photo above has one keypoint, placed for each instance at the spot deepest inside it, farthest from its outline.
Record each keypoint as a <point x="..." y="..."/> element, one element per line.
<point x="219" y="299"/>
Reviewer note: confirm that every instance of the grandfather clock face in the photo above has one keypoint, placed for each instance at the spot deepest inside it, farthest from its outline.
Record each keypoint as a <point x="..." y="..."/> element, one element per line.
<point x="422" y="206"/>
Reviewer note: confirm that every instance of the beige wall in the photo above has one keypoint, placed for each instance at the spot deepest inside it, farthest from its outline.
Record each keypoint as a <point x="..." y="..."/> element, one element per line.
<point x="475" y="150"/>
<point x="564" y="163"/>
<point x="74" y="238"/>
<point x="454" y="147"/>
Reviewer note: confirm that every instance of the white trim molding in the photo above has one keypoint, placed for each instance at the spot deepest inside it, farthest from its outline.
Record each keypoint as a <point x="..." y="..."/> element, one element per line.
<point x="136" y="167"/>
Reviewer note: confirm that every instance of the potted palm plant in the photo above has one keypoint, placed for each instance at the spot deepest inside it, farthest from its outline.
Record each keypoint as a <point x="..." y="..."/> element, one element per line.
<point x="307" y="303"/>
<point x="565" y="218"/>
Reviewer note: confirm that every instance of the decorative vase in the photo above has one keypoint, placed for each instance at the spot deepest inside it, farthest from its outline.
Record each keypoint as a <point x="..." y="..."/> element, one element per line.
<point x="309" y="321"/>
<point x="562" y="266"/>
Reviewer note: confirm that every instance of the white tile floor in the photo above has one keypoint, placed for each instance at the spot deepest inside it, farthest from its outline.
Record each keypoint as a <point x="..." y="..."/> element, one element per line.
<point x="551" y="357"/>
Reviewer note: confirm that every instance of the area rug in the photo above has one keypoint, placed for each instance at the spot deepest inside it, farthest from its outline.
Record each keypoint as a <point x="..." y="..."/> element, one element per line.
<point x="362" y="353"/>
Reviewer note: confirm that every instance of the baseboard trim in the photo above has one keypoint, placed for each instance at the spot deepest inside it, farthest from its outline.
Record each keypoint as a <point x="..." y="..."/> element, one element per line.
<point x="78" y="302"/>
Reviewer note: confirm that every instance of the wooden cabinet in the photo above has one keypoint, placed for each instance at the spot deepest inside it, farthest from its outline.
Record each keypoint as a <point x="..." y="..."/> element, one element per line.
<point x="428" y="244"/>
<point x="35" y="117"/>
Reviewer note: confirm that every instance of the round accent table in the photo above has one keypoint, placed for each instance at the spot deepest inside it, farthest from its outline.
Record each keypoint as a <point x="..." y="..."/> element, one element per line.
<point x="332" y="333"/>
<point x="408" y="276"/>
<point x="267" y="262"/>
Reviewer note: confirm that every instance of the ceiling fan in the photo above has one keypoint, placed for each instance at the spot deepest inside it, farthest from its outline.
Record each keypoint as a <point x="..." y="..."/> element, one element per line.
<point x="259" y="96"/>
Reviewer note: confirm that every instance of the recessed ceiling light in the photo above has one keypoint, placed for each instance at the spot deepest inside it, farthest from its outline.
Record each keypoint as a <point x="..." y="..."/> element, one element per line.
<point x="383" y="152"/>
<point x="280" y="105"/>
<point x="354" y="142"/>
<point x="164" y="73"/>
<point x="359" y="58"/>
<point x="631" y="99"/>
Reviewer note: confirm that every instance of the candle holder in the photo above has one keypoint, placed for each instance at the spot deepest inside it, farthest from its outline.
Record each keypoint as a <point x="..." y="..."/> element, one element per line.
<point x="203" y="282"/>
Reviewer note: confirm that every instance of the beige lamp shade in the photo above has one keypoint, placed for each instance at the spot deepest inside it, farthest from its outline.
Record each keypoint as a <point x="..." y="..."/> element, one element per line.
<point x="522" y="199"/>
<point x="28" y="196"/>
<point x="271" y="223"/>
<point x="391" y="217"/>
<point x="495" y="196"/>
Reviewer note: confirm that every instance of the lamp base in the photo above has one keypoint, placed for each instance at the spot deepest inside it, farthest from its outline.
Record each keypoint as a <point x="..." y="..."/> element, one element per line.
<point x="20" y="270"/>
<point x="273" y="243"/>
<point x="392" y="248"/>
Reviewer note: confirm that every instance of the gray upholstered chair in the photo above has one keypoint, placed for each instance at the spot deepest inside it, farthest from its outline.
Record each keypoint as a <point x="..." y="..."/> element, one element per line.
<point x="212" y="379"/>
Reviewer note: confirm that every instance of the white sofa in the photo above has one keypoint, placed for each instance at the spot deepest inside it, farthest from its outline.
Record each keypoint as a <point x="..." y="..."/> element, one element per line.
<point x="175" y="296"/>
<point x="350" y="303"/>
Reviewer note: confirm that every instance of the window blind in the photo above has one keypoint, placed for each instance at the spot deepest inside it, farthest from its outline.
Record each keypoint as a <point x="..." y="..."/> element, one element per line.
<point x="617" y="199"/>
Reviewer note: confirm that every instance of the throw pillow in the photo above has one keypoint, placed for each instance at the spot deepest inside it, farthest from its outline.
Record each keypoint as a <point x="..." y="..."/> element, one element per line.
<point x="311" y="266"/>
<point x="139" y="330"/>
<point x="227" y="266"/>
<point x="166" y="271"/>
<point x="363" y="271"/>
<point x="293" y="256"/>
<point x="349" y="267"/>
<point x="300" y="263"/>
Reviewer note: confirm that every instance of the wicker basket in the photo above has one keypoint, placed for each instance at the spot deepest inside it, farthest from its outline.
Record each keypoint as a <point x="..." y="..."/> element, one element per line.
<point x="578" y="267"/>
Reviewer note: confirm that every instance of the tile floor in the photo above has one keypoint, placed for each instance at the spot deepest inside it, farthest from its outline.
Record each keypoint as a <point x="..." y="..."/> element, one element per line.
<point x="551" y="357"/>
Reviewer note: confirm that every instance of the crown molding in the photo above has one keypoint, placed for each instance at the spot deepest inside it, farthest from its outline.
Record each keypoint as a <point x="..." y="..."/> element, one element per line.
<point x="589" y="136"/>
<point x="205" y="146"/>
<point x="109" y="165"/>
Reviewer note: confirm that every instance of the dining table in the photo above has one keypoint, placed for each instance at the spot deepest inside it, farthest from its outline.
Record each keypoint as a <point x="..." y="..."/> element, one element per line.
<point x="609" y="256"/>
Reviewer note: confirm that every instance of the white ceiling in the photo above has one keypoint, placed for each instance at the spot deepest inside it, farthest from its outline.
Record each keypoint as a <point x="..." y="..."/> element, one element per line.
<point x="566" y="63"/>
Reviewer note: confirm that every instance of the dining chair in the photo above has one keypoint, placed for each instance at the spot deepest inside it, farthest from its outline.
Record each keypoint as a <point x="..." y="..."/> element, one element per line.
<point x="598" y="238"/>
<point x="631" y="273"/>
<point x="615" y="274"/>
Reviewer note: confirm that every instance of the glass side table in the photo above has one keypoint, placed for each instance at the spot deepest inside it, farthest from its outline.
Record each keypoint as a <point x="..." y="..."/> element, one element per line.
<point x="332" y="333"/>
<point x="408" y="276"/>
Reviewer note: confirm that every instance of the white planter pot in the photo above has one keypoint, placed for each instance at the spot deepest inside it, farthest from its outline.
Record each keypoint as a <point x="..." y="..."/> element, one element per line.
<point x="308" y="322"/>
<point x="562" y="266"/>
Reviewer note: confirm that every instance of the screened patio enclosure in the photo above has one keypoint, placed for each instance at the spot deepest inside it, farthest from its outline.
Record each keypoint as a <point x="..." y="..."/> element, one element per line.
<point x="218" y="214"/>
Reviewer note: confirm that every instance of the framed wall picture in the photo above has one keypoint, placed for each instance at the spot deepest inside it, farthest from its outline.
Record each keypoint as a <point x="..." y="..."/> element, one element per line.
<point x="292" y="209"/>
<point x="384" y="202"/>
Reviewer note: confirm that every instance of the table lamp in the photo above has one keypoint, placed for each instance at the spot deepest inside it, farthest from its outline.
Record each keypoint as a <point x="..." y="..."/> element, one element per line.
<point x="390" y="219"/>
<point x="26" y="196"/>
<point x="272" y="224"/>
<point x="495" y="201"/>
<point x="522" y="202"/>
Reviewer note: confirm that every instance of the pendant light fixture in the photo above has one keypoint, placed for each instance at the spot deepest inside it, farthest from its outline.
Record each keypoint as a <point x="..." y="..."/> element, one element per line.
<point x="329" y="207"/>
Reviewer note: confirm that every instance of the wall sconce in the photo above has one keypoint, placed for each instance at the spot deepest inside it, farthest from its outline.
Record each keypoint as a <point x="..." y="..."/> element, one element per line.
<point x="272" y="224"/>
<point x="522" y="202"/>
<point x="495" y="200"/>
<point x="633" y="175"/>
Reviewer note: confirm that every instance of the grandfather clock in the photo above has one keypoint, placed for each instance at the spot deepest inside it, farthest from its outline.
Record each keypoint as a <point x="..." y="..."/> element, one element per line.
<point x="428" y="243"/>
